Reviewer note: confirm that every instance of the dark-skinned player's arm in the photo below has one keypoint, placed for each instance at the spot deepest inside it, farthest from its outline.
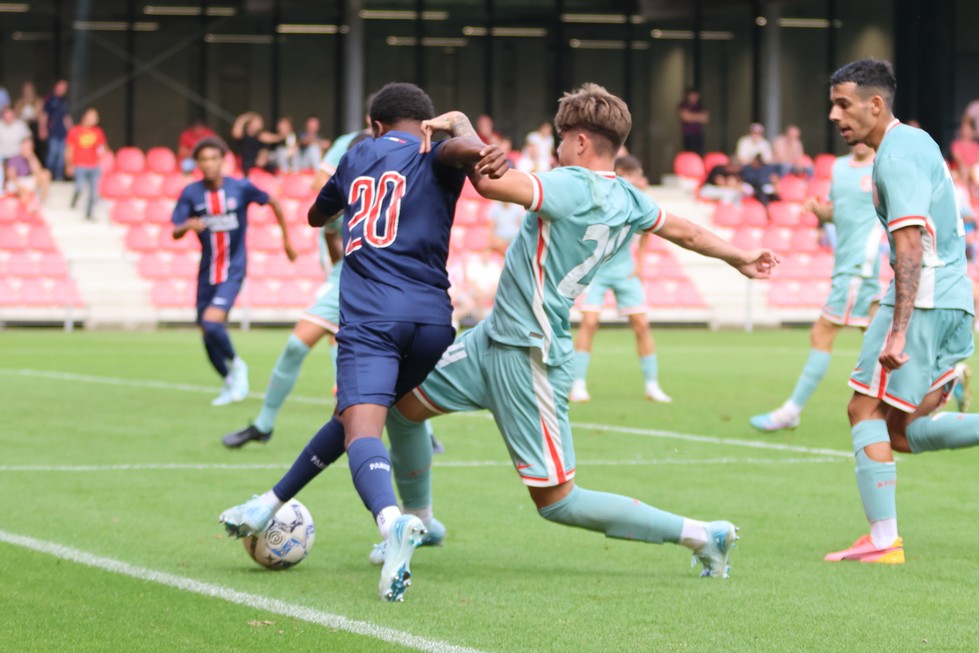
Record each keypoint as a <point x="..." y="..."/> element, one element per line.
<point x="280" y="217"/>
<point x="464" y="148"/>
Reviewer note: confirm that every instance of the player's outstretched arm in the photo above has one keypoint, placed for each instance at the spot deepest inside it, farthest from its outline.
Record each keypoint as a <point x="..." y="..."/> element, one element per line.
<point x="280" y="217"/>
<point x="754" y="264"/>
<point x="514" y="186"/>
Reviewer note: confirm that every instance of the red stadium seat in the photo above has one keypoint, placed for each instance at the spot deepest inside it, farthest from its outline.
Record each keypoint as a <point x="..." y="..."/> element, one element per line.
<point x="824" y="166"/>
<point x="127" y="211"/>
<point x="131" y="160"/>
<point x="821" y="266"/>
<point x="792" y="267"/>
<point x="303" y="239"/>
<point x="747" y="238"/>
<point x="804" y="240"/>
<point x="34" y="292"/>
<point x="813" y="293"/>
<point x="53" y="266"/>
<point x="9" y="292"/>
<point x="116" y="185"/>
<point x="777" y="239"/>
<point x="265" y="181"/>
<point x="161" y="160"/>
<point x="308" y="267"/>
<point x="148" y="185"/>
<point x="687" y="295"/>
<point x="12" y="238"/>
<point x="159" y="211"/>
<point x="154" y="265"/>
<point x="263" y="216"/>
<point x="171" y="293"/>
<point x="64" y="292"/>
<point x="107" y="162"/>
<point x="808" y="220"/>
<point x="279" y="267"/>
<point x="753" y="213"/>
<point x="167" y="243"/>
<point x="10" y="210"/>
<point x="784" y="214"/>
<point x="727" y="215"/>
<point x="39" y="239"/>
<point x="140" y="238"/>
<point x="23" y="265"/>
<point x="184" y="265"/>
<point x="477" y="239"/>
<point x="656" y="244"/>
<point x="297" y="186"/>
<point x="469" y="191"/>
<point x="468" y="211"/>
<point x="173" y="184"/>
<point x="819" y="187"/>
<point x="792" y="189"/>
<point x="690" y="165"/>
<point x="714" y="159"/>
<point x="294" y="293"/>
<point x="784" y="294"/>
<point x="263" y="293"/>
<point x="230" y="167"/>
<point x="266" y="239"/>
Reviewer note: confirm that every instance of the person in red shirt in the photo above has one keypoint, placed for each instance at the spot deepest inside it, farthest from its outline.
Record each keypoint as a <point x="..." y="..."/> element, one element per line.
<point x="189" y="138"/>
<point x="83" y="154"/>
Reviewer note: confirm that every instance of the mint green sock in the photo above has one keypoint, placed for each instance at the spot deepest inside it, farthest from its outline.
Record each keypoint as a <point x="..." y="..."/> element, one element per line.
<point x="615" y="515"/>
<point x="281" y="382"/>
<point x="876" y="481"/>
<point x="581" y="360"/>
<point x="812" y="375"/>
<point x="943" y="431"/>
<point x="650" y="368"/>
<point x="411" y="457"/>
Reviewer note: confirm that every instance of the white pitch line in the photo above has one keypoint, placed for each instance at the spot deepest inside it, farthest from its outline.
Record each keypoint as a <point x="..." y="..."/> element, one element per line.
<point x="651" y="433"/>
<point x="439" y="465"/>
<point x="255" y="601"/>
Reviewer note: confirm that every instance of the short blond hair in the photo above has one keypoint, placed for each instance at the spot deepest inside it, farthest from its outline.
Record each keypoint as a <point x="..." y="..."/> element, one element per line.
<point x="593" y="109"/>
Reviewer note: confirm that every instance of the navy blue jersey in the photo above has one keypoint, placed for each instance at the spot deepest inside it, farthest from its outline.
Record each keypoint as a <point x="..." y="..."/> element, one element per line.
<point x="398" y="208"/>
<point x="224" y="211"/>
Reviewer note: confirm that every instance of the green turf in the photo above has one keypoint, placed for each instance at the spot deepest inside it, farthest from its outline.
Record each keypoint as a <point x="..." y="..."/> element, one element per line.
<point x="506" y="579"/>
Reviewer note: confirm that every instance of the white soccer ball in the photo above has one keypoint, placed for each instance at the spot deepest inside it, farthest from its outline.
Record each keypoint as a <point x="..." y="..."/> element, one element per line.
<point x="287" y="539"/>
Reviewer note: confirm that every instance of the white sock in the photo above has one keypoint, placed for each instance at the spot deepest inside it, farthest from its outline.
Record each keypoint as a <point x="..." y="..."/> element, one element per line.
<point x="424" y="514"/>
<point x="237" y="361"/>
<point x="792" y="408"/>
<point x="694" y="534"/>
<point x="385" y="518"/>
<point x="270" y="499"/>
<point x="883" y="532"/>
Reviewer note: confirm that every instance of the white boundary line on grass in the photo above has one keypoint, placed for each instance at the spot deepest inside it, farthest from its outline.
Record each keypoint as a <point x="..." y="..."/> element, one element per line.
<point x="134" y="467"/>
<point x="652" y="433"/>
<point x="255" y="601"/>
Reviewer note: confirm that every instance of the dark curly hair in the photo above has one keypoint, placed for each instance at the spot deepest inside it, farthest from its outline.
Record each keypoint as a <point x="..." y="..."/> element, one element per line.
<point x="210" y="142"/>
<point x="400" y="101"/>
<point x="871" y="75"/>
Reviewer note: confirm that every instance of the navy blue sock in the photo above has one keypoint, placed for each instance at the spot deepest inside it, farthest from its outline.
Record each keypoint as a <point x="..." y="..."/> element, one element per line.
<point x="370" y="468"/>
<point x="219" y="334"/>
<point x="215" y="356"/>
<point x="321" y="452"/>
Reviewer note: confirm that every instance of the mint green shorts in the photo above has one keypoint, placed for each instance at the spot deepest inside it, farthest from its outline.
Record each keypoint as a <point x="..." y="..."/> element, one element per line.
<point x="937" y="339"/>
<point x="850" y="299"/>
<point x="325" y="311"/>
<point x="629" y="295"/>
<point x="528" y="400"/>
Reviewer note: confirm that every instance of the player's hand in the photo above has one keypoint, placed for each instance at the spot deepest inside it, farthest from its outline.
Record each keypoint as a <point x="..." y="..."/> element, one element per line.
<point x="290" y="252"/>
<point x="759" y="263"/>
<point x="437" y="124"/>
<point x="893" y="355"/>
<point x="196" y="225"/>
<point x="493" y="163"/>
<point x="811" y="204"/>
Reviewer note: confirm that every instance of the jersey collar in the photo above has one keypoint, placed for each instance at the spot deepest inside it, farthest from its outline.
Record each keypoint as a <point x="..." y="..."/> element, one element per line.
<point x="400" y="137"/>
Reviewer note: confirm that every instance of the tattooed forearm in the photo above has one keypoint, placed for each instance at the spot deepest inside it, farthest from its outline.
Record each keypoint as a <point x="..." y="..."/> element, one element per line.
<point x="460" y="125"/>
<point x="907" y="274"/>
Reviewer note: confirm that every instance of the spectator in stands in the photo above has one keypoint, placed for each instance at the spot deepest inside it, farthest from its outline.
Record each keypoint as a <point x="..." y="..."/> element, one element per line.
<point x="630" y="168"/>
<point x="29" y="106"/>
<point x="486" y="132"/>
<point x="311" y="145"/>
<point x="965" y="152"/>
<point x="693" y="121"/>
<point x="53" y="126"/>
<point x="4" y="97"/>
<point x="12" y="132"/>
<point x="189" y="138"/>
<point x="285" y="156"/>
<point x="31" y="175"/>
<point x="506" y="219"/>
<point x="753" y="145"/>
<point x="762" y="178"/>
<point x="542" y="142"/>
<point x="789" y="155"/>
<point x="971" y="114"/>
<point x="83" y="156"/>
<point x="724" y="183"/>
<point x="249" y="130"/>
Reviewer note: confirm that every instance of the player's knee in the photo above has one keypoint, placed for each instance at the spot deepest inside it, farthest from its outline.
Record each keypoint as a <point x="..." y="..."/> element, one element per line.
<point x="211" y="328"/>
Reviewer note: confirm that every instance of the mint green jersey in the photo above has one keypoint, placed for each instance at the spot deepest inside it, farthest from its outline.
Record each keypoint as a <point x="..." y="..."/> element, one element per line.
<point x="621" y="265"/>
<point x="858" y="231"/>
<point x="333" y="155"/>
<point x="913" y="188"/>
<point x="578" y="220"/>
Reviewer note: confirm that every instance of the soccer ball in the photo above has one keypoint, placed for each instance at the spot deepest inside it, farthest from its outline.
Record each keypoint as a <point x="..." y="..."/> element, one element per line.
<point x="287" y="539"/>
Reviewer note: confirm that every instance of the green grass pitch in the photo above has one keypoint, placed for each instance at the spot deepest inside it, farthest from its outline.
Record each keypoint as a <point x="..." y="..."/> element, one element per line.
<point x="111" y="465"/>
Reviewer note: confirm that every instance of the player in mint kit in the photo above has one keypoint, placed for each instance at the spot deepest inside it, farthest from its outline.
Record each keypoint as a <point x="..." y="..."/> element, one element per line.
<point x="907" y="364"/>
<point x="395" y="313"/>
<point x="518" y="362"/>
<point x="856" y="268"/>
<point x="216" y="208"/>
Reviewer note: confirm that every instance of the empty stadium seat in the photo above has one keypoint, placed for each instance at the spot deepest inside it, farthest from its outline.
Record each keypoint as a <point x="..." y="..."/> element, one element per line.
<point x="792" y="188"/>
<point x="471" y="212"/>
<point x="784" y="294"/>
<point x="154" y="265"/>
<point x="266" y="239"/>
<point x="12" y="238"/>
<point x="804" y="240"/>
<point x="753" y="213"/>
<point x="173" y="184"/>
<point x="10" y="210"/>
<point x="161" y="160"/>
<point x="279" y="267"/>
<point x="819" y="187"/>
<point x="64" y="292"/>
<point x="108" y="162"/>
<point x="172" y="293"/>
<point x="159" y="211"/>
<point x="824" y="166"/>
<point x="9" y="292"/>
<point x="714" y="159"/>
<point x="263" y="216"/>
<point x="265" y="181"/>
<point x="34" y="292"/>
<point x="141" y="238"/>
<point x="148" y="185"/>
<point x="127" y="211"/>
<point x="727" y="215"/>
<point x="53" y="266"/>
<point x="22" y="264"/>
<point x="303" y="239"/>
<point x="166" y="242"/>
<point x="792" y="267"/>
<point x="308" y="267"/>
<point x="477" y="239"/>
<point x="777" y="239"/>
<point x="296" y="186"/>
<point x="690" y="165"/>
<point x="784" y="214"/>
<point x="39" y="239"/>
<point x="130" y="159"/>
<point x="747" y="238"/>
<point x="116" y="185"/>
<point x="184" y="265"/>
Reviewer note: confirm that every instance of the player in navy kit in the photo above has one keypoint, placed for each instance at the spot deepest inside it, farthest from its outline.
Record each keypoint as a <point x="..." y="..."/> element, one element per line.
<point x="395" y="313"/>
<point x="216" y="208"/>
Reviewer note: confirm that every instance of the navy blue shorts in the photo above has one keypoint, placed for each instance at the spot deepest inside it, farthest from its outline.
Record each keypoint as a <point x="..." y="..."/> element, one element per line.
<point x="220" y="295"/>
<point x="380" y="362"/>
